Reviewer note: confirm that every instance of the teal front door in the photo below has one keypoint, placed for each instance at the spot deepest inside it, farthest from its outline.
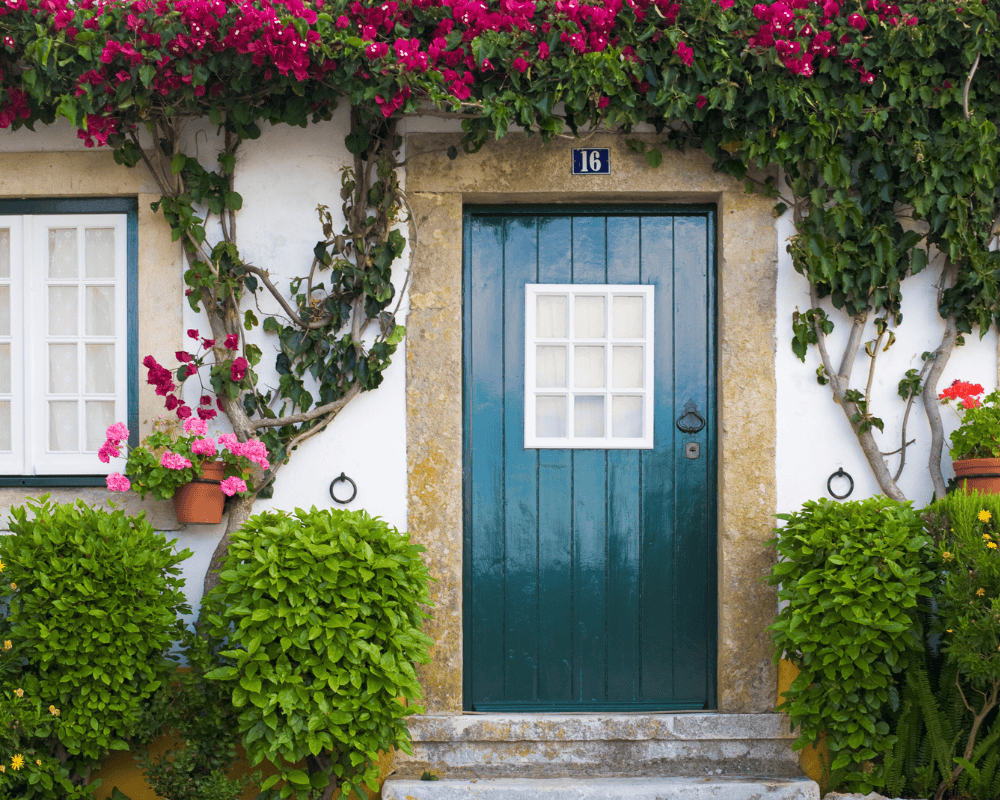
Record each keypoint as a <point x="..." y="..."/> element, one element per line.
<point x="590" y="480"/>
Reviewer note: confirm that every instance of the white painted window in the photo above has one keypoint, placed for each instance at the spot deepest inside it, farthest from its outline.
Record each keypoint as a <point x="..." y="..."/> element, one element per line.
<point x="63" y="352"/>
<point x="588" y="366"/>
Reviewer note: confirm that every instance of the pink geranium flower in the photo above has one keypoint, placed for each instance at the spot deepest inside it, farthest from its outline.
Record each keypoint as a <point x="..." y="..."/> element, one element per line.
<point x="231" y="486"/>
<point x="196" y="426"/>
<point x="204" y="447"/>
<point x="174" y="461"/>
<point x="118" y="482"/>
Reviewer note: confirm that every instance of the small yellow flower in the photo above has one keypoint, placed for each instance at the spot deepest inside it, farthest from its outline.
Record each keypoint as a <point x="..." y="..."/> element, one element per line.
<point x="2" y="566"/>
<point x="7" y="644"/>
<point x="38" y="761"/>
<point x="54" y="711"/>
<point x="13" y="586"/>
<point x="985" y="516"/>
<point x="980" y="592"/>
<point x="19" y="692"/>
<point x="991" y="545"/>
<point x="987" y="536"/>
<point x="946" y="555"/>
<point x="3" y="768"/>
<point x="950" y="630"/>
<point x="16" y="761"/>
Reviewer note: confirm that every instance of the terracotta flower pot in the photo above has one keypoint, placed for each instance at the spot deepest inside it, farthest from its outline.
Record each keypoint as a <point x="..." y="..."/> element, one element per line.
<point x="978" y="474"/>
<point x="201" y="500"/>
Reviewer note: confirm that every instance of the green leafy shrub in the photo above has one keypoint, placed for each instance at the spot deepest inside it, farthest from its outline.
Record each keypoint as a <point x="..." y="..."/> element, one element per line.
<point x="323" y="614"/>
<point x="198" y="713"/>
<point x="966" y="531"/>
<point x="93" y="600"/>
<point x="852" y="575"/>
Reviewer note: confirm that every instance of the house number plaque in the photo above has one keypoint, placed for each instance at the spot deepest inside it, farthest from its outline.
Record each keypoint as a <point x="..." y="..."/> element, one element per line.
<point x="591" y="161"/>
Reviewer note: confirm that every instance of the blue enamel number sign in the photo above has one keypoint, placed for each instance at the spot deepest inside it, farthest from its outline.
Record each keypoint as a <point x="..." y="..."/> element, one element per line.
<point x="591" y="161"/>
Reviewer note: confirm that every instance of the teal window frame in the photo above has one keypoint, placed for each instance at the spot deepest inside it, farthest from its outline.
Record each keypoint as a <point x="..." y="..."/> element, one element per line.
<point x="129" y="206"/>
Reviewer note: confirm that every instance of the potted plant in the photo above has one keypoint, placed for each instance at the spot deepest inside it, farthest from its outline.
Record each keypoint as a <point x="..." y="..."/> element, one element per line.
<point x="196" y="469"/>
<point x="975" y="443"/>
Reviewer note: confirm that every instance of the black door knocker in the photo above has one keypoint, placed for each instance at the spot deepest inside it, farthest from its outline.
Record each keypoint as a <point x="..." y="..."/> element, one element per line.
<point x="690" y="421"/>
<point x="342" y="478"/>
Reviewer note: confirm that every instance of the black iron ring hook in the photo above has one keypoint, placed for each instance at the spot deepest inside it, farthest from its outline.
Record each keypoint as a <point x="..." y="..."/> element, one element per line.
<point x="343" y="478"/>
<point x="691" y="410"/>
<point x="839" y="474"/>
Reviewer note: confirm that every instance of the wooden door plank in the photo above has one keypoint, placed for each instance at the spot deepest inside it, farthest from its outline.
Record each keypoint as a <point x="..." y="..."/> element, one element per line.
<point x="624" y="508"/>
<point x="590" y="564"/>
<point x="487" y="474"/>
<point x="520" y="482"/>
<point x="657" y="473"/>
<point x="692" y="536"/>
<point x="555" y="509"/>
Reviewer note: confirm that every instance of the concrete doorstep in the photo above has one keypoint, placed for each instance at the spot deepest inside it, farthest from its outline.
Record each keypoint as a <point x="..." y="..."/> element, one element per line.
<point x="717" y="788"/>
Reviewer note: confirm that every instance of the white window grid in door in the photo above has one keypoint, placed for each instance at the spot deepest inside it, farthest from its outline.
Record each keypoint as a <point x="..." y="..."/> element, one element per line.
<point x="588" y="378"/>
<point x="65" y="279"/>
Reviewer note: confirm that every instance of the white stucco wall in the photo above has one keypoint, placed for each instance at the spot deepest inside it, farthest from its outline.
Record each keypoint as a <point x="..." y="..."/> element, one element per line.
<point x="814" y="436"/>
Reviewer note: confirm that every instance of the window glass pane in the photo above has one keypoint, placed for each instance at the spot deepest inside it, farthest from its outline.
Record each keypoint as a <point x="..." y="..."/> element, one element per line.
<point x="5" y="368"/>
<point x="550" y="316"/>
<point x="62" y="253"/>
<point x="550" y="367"/>
<point x="101" y="311"/>
<point x="588" y="416"/>
<point x="4" y="252"/>
<point x="62" y="310"/>
<point x="550" y="417"/>
<point x="627" y="316"/>
<point x="588" y="317"/>
<point x="62" y="368"/>
<point x="100" y="416"/>
<point x="100" y="368"/>
<point x="626" y="417"/>
<point x="5" y="426"/>
<point x="626" y="368"/>
<point x="100" y="249"/>
<point x="588" y="367"/>
<point x="63" y="427"/>
<point x="4" y="311"/>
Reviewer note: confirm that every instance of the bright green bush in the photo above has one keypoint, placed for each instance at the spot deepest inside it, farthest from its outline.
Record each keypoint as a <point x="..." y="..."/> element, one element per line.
<point x="323" y="614"/>
<point x="851" y="576"/>
<point x="93" y="599"/>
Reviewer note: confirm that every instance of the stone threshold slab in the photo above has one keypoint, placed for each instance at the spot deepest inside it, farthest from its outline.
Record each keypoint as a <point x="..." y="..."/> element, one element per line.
<point x="603" y="789"/>
<point x="597" y="727"/>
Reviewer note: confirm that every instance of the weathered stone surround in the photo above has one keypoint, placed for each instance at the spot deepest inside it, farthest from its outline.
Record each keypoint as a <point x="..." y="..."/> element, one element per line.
<point x="519" y="169"/>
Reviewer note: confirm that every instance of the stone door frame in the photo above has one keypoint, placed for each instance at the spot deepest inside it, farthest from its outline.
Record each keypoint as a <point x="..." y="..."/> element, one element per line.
<point x="521" y="169"/>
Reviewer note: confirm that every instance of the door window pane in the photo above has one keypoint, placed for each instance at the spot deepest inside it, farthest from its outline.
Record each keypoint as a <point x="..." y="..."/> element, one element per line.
<point x="100" y="249"/>
<point x="550" y="367"/>
<point x="4" y="252"/>
<point x="627" y="315"/>
<point x="550" y="316"/>
<point x="63" y="427"/>
<point x="101" y="311"/>
<point x="550" y="417"/>
<point x="588" y="317"/>
<point x="100" y="368"/>
<point x="626" y="417"/>
<point x="62" y="369"/>
<point x="6" y="441"/>
<point x="5" y="369"/>
<point x="4" y="310"/>
<point x="63" y="310"/>
<point x="626" y="368"/>
<point x="588" y="367"/>
<point x="588" y="416"/>
<point x="62" y="253"/>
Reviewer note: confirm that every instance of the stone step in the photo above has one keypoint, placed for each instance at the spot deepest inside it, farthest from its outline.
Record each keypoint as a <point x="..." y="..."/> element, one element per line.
<point x="599" y="745"/>
<point x="718" y="788"/>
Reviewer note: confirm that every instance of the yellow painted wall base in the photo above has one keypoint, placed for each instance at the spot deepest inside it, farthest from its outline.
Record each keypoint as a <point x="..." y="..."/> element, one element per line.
<point x="812" y="757"/>
<point x="121" y="770"/>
